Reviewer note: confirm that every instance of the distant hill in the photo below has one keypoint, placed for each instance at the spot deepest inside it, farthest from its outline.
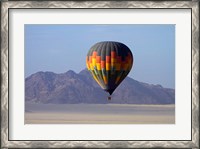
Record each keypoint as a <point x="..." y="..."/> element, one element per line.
<point x="70" y="87"/>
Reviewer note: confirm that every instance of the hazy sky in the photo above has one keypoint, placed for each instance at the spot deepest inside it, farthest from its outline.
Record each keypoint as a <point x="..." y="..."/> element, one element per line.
<point x="59" y="48"/>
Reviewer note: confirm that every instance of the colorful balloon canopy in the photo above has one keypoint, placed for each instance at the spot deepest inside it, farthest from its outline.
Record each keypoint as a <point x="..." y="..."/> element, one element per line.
<point x="109" y="63"/>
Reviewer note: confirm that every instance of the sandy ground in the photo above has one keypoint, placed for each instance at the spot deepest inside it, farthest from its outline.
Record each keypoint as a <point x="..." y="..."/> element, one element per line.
<point x="99" y="114"/>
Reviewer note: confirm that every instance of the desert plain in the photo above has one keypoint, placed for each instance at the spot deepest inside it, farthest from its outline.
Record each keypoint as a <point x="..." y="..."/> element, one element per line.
<point x="99" y="114"/>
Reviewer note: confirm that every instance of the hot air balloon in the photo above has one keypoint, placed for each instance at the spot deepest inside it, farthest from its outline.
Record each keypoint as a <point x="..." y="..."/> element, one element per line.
<point x="109" y="63"/>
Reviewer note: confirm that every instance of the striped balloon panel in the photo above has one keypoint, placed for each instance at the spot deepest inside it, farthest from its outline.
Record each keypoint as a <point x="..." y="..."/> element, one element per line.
<point x="109" y="63"/>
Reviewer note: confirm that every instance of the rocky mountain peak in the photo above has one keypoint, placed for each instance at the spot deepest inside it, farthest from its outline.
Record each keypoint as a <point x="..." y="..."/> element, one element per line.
<point x="70" y="87"/>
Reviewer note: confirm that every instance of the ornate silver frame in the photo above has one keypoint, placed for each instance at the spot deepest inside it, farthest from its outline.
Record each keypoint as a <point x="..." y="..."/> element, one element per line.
<point x="6" y="143"/>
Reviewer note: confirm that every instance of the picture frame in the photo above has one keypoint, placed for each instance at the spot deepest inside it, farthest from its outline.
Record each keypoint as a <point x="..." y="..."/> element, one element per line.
<point x="7" y="6"/>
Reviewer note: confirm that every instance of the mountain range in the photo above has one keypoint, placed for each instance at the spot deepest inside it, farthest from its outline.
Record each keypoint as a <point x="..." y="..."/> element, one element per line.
<point x="74" y="88"/>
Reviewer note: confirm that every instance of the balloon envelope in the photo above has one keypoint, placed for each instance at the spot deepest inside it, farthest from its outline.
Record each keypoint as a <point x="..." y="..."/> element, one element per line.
<point x="109" y="63"/>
